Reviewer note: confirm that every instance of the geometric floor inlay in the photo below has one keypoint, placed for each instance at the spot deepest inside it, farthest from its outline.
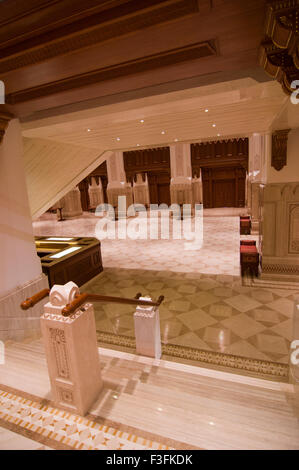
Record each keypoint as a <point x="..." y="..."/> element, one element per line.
<point x="194" y="315"/>
<point x="64" y="430"/>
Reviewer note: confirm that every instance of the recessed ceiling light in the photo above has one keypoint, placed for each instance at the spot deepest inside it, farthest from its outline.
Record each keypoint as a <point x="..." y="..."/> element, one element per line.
<point x="176" y="140"/>
<point x="141" y="120"/>
<point x="117" y="138"/>
<point x="214" y="125"/>
<point x="88" y="130"/>
<point x="206" y="110"/>
<point x="138" y="145"/>
<point x="163" y="132"/>
<point x="218" y="135"/>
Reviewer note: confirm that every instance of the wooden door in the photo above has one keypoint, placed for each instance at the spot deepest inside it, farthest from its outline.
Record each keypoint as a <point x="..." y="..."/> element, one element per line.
<point x="224" y="193"/>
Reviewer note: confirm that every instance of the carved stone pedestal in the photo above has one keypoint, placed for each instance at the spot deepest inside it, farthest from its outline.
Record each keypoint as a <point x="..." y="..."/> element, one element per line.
<point x="71" y="351"/>
<point x="147" y="331"/>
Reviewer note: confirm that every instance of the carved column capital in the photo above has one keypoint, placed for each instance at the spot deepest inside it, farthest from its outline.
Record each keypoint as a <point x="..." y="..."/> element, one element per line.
<point x="279" y="149"/>
<point x="5" y="117"/>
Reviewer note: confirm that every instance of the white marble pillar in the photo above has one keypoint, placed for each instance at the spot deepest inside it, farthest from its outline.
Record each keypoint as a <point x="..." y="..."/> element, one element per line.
<point x="141" y="191"/>
<point x="117" y="182"/>
<point x="71" y="204"/>
<point x="181" y="174"/>
<point x="259" y="149"/>
<point x="147" y="331"/>
<point x="95" y="192"/>
<point x="71" y="351"/>
<point x="197" y="189"/>
<point x="20" y="268"/>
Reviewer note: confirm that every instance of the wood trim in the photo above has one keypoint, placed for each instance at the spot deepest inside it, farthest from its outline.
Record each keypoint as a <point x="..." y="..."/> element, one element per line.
<point x="279" y="149"/>
<point x="99" y="26"/>
<point x="163" y="59"/>
<point x="279" y="49"/>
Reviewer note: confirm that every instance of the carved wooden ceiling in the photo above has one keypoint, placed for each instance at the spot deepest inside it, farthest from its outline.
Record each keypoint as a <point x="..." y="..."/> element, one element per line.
<point x="55" y="54"/>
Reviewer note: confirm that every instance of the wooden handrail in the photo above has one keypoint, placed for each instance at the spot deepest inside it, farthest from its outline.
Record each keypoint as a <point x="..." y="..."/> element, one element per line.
<point x="31" y="301"/>
<point x="85" y="296"/>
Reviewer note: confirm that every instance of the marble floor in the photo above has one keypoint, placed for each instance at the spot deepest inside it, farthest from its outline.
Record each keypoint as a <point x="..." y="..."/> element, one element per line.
<point x="207" y="312"/>
<point x="179" y="407"/>
<point x="219" y="253"/>
<point x="206" y="307"/>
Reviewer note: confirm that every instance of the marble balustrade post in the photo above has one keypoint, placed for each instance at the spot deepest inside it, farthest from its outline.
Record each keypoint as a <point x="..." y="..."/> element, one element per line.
<point x="71" y="351"/>
<point x="147" y="331"/>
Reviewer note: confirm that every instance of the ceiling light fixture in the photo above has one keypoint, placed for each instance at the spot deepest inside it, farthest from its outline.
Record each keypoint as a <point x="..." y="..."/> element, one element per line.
<point x="88" y="130"/>
<point x="163" y="132"/>
<point x="141" y="120"/>
<point x="176" y="140"/>
<point x="214" y="125"/>
<point x="117" y="138"/>
<point x="138" y="145"/>
<point x="206" y="110"/>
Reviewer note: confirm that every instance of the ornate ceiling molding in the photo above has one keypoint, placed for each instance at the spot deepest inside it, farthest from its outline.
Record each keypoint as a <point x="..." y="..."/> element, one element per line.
<point x="279" y="149"/>
<point x="169" y="57"/>
<point x="279" y="51"/>
<point x="5" y="117"/>
<point x="90" y="26"/>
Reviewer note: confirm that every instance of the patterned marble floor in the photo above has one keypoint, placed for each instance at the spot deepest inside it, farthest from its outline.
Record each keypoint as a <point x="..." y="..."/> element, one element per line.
<point x="206" y="306"/>
<point x="218" y="255"/>
<point x="208" y="312"/>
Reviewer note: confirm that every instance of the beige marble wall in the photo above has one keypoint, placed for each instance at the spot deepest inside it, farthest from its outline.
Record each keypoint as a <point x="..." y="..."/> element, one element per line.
<point x="20" y="268"/>
<point x="280" y="229"/>
<point x="181" y="174"/>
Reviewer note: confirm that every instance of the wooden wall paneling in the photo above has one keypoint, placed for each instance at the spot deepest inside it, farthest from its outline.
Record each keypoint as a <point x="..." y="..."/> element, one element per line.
<point x="156" y="164"/>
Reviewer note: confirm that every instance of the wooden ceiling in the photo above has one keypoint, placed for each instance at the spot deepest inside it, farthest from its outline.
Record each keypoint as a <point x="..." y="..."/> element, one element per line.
<point x="56" y="54"/>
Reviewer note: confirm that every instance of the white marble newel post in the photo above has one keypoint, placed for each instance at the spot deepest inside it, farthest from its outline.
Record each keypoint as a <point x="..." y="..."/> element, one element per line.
<point x="147" y="330"/>
<point x="71" y="351"/>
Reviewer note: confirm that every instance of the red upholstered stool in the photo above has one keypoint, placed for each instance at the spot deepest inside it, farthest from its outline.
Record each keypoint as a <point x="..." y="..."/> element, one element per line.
<point x="249" y="259"/>
<point x="245" y="225"/>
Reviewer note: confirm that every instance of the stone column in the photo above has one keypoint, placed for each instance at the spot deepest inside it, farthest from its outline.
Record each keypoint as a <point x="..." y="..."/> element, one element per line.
<point x="117" y="182"/>
<point x="71" y="204"/>
<point x="181" y="174"/>
<point x="71" y="351"/>
<point x="141" y="191"/>
<point x="259" y="148"/>
<point x="20" y="268"/>
<point x="95" y="191"/>
<point x="197" y="189"/>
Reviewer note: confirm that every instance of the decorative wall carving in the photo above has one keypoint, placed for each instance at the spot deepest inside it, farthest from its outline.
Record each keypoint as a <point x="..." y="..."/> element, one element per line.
<point x="228" y="152"/>
<point x="279" y="49"/>
<point x="58" y="342"/>
<point x="279" y="149"/>
<point x="294" y="228"/>
<point x="280" y="229"/>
